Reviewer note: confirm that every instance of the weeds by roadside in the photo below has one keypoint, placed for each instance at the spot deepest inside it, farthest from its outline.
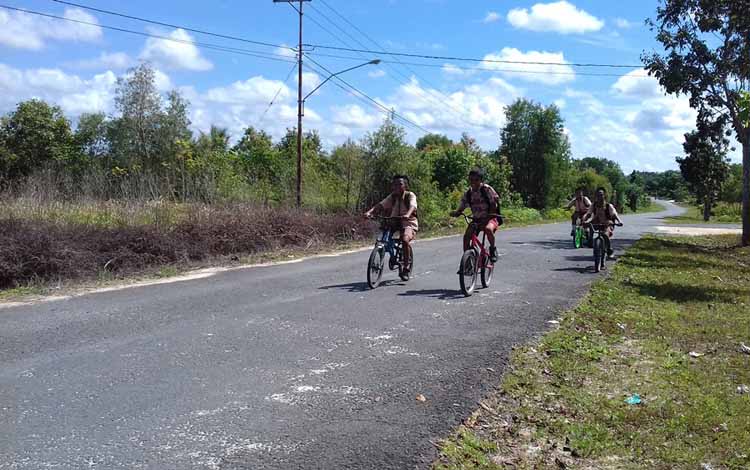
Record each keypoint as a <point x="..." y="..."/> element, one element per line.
<point x="722" y="214"/>
<point x="666" y="331"/>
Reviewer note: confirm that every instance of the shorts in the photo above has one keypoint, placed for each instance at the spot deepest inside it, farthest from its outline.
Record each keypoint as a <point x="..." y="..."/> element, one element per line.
<point x="408" y="234"/>
<point x="492" y="224"/>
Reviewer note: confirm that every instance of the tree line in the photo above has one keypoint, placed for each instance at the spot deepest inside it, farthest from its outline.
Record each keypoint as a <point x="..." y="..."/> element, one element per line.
<point x="146" y="150"/>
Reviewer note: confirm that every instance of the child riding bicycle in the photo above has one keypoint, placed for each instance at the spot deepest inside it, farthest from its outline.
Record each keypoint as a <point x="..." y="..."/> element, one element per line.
<point x="582" y="204"/>
<point x="483" y="201"/>
<point x="401" y="205"/>
<point x="603" y="213"/>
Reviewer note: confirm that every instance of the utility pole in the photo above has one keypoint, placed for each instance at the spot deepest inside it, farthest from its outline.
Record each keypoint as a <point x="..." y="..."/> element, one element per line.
<point x="300" y="99"/>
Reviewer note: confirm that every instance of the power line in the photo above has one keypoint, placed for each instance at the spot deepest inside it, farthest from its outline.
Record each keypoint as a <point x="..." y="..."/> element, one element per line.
<point x="368" y="98"/>
<point x="159" y="23"/>
<point x="215" y="47"/>
<point x="488" y="69"/>
<point x="407" y="81"/>
<point x="444" y="101"/>
<point x="473" y="59"/>
<point x="278" y="92"/>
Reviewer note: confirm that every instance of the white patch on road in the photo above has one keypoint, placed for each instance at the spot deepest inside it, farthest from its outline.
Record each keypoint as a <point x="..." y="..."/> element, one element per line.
<point x="306" y="389"/>
<point x="697" y="231"/>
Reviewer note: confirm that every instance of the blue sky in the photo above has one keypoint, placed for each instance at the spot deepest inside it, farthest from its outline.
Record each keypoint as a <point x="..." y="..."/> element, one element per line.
<point x="622" y="115"/>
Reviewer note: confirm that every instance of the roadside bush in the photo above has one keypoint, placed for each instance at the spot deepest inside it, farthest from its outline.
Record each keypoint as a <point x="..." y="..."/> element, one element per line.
<point x="33" y="249"/>
<point x="556" y="213"/>
<point x="521" y="215"/>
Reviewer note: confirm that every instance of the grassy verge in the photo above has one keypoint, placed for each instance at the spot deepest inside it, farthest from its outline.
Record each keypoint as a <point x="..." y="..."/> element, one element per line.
<point x="667" y="325"/>
<point x="722" y="214"/>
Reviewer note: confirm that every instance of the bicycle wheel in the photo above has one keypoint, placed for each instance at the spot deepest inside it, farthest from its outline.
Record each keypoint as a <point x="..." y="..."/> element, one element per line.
<point x="598" y="250"/>
<point x="578" y="238"/>
<point x="486" y="272"/>
<point x="375" y="267"/>
<point x="467" y="272"/>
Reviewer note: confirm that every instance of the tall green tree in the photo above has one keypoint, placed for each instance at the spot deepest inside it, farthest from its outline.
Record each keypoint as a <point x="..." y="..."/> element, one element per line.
<point x="136" y="130"/>
<point x="534" y="141"/>
<point x="349" y="165"/>
<point x="707" y="57"/>
<point x="705" y="166"/>
<point x="431" y="141"/>
<point x="36" y="136"/>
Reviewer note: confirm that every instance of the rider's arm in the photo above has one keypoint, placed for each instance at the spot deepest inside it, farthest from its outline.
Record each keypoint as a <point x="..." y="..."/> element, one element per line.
<point x="589" y="215"/>
<point x="570" y="204"/>
<point x="461" y="207"/>
<point x="586" y="201"/>
<point x="412" y="206"/>
<point x="615" y="215"/>
<point x="376" y="208"/>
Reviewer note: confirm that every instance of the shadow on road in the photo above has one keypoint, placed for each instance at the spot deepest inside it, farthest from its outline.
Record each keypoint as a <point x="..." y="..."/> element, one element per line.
<point x="549" y="244"/>
<point x="588" y="269"/>
<point x="442" y="294"/>
<point x="360" y="286"/>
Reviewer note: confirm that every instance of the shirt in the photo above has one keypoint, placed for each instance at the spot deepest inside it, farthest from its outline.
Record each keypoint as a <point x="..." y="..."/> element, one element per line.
<point x="581" y="205"/>
<point x="480" y="206"/>
<point x="602" y="215"/>
<point x="394" y="206"/>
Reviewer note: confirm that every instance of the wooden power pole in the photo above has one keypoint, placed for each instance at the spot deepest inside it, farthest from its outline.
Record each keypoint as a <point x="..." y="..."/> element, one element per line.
<point x="300" y="100"/>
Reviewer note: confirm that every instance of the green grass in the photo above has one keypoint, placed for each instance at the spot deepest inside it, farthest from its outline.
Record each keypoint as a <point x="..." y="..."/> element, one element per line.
<point x="722" y="214"/>
<point x="563" y="400"/>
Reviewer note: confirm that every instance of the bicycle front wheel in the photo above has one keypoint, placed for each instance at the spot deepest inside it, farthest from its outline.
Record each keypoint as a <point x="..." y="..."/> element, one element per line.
<point x="488" y="268"/>
<point x="467" y="272"/>
<point x="375" y="267"/>
<point x="598" y="253"/>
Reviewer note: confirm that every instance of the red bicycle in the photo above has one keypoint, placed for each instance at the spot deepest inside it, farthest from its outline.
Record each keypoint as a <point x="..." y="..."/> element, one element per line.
<point x="475" y="261"/>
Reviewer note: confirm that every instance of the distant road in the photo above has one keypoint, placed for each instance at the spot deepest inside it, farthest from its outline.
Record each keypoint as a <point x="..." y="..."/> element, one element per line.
<point x="283" y="367"/>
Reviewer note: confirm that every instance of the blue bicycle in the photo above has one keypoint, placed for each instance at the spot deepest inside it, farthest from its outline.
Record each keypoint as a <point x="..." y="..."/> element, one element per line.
<point x="386" y="244"/>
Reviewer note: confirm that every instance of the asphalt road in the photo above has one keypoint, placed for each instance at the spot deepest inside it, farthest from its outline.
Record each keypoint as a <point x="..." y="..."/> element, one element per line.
<point x="283" y="367"/>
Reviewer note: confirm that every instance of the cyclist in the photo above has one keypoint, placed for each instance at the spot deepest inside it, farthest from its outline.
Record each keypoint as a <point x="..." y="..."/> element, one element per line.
<point x="582" y="204"/>
<point x="483" y="201"/>
<point x="401" y="204"/>
<point x="603" y="213"/>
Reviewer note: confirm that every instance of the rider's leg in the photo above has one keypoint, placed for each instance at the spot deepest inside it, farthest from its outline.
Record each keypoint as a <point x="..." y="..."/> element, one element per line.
<point x="573" y="221"/>
<point x="610" y="234"/>
<point x="407" y="236"/>
<point x="489" y="231"/>
<point x="467" y="238"/>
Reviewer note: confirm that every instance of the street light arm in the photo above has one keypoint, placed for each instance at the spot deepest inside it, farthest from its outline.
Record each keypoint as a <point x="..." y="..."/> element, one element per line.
<point x="372" y="62"/>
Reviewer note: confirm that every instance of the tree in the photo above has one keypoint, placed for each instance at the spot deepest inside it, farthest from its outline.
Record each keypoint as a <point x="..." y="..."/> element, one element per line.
<point x="451" y="165"/>
<point x="139" y="105"/>
<point x="707" y="57"/>
<point x="705" y="166"/>
<point x="348" y="163"/>
<point x="432" y="140"/>
<point x="731" y="190"/>
<point x="35" y="136"/>
<point x="91" y="135"/>
<point x="539" y="152"/>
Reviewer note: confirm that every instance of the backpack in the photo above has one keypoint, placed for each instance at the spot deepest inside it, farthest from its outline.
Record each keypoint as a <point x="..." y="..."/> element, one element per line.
<point x="486" y="198"/>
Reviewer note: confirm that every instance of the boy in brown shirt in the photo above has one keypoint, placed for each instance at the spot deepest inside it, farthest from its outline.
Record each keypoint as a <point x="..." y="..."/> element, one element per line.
<point x="483" y="201"/>
<point x="402" y="205"/>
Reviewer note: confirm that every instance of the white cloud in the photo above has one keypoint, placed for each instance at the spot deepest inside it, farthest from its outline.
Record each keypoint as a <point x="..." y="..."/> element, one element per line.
<point x="286" y="51"/>
<point x="107" y="60"/>
<point x="179" y="53"/>
<point x="24" y="31"/>
<point x="560" y="17"/>
<point x="542" y="70"/>
<point x="353" y="115"/>
<point x="491" y="17"/>
<point x="253" y="91"/>
<point x="377" y="73"/>
<point x="637" y="84"/>
<point x="622" y="23"/>
<point x="477" y="108"/>
<point x="74" y="94"/>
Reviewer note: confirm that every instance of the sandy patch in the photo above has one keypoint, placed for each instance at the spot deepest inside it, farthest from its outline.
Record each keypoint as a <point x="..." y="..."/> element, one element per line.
<point x="697" y="231"/>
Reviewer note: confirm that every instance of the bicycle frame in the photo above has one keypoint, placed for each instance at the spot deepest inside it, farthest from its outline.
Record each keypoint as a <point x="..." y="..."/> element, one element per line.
<point x="387" y="242"/>
<point x="484" y="255"/>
